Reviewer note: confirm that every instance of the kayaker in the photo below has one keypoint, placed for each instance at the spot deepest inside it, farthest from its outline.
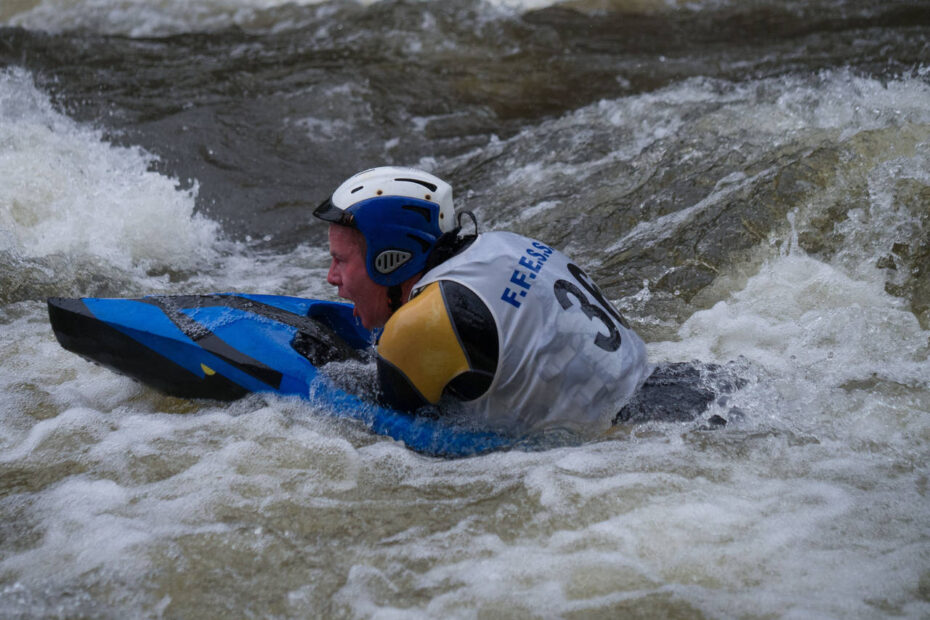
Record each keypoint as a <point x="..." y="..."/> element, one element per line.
<point x="496" y="325"/>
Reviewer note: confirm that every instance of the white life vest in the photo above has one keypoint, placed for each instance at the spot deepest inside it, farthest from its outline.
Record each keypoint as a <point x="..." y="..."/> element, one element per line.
<point x="565" y="360"/>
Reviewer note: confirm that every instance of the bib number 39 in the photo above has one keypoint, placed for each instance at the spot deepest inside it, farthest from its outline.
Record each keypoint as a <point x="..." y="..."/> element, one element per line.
<point x="568" y="293"/>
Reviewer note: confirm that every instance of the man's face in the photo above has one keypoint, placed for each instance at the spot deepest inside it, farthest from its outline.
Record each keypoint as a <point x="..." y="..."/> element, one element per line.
<point x="347" y="272"/>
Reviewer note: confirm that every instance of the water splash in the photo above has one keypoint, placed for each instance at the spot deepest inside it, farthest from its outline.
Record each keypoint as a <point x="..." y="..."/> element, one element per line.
<point x="67" y="191"/>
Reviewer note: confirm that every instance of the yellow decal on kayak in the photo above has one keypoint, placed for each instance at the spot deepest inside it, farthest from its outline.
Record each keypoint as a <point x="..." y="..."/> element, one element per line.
<point x="207" y="370"/>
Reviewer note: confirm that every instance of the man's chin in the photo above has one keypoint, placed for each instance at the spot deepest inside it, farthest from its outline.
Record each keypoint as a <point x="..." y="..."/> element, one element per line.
<point x="356" y="314"/>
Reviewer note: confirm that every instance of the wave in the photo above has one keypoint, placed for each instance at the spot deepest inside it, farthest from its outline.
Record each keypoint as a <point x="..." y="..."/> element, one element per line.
<point x="146" y="18"/>
<point x="71" y="198"/>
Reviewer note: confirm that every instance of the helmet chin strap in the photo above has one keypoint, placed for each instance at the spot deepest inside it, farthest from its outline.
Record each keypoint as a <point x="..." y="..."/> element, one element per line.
<point x="394" y="293"/>
<point x="474" y="220"/>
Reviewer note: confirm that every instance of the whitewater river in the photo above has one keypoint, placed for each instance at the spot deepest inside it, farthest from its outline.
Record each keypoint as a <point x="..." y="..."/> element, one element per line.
<point x="748" y="180"/>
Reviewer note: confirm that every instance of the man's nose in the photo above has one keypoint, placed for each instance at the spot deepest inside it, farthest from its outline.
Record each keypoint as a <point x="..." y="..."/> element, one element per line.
<point x="332" y="277"/>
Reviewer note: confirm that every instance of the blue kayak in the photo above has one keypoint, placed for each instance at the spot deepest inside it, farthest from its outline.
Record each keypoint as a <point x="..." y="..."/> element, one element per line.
<point x="224" y="346"/>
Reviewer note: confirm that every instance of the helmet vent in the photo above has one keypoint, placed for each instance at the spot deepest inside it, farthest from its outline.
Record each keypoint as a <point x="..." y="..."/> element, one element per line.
<point x="389" y="260"/>
<point x="430" y="186"/>
<point x="357" y="189"/>
<point x="421" y="211"/>
<point x="425" y="245"/>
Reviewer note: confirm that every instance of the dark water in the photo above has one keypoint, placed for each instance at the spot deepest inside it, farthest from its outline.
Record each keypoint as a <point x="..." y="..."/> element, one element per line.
<point x="269" y="116"/>
<point x="745" y="179"/>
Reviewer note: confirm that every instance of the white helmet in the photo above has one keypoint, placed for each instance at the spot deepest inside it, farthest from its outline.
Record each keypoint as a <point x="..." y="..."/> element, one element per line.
<point x="401" y="212"/>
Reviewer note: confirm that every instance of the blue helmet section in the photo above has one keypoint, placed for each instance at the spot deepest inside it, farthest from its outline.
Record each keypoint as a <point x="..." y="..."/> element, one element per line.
<point x="399" y="232"/>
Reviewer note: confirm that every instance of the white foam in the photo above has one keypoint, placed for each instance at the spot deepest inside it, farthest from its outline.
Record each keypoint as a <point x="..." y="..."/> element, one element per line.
<point x="768" y="113"/>
<point x="67" y="191"/>
<point x="800" y="311"/>
<point x="824" y="341"/>
<point x="301" y="273"/>
<point x="148" y="480"/>
<point x="641" y="521"/>
<point x="813" y="506"/>
<point x="139" y="18"/>
<point x="709" y="114"/>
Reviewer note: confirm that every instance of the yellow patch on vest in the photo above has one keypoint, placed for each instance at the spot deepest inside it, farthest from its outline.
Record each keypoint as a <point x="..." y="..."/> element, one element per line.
<point x="420" y="341"/>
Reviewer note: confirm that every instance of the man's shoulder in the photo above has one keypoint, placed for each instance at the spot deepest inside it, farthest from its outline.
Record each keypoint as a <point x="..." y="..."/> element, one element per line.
<point x="418" y="314"/>
<point x="421" y="346"/>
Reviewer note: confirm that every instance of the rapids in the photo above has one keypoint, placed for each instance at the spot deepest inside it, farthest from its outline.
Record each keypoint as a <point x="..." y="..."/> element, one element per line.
<point x="747" y="180"/>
